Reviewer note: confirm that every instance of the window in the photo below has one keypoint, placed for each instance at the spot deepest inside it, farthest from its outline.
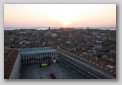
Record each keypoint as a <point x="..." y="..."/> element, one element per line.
<point x="48" y="54"/>
<point x="22" y="57"/>
<point x="41" y="54"/>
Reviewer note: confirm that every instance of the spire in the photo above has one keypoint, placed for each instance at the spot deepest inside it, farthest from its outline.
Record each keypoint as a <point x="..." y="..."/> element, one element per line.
<point x="49" y="28"/>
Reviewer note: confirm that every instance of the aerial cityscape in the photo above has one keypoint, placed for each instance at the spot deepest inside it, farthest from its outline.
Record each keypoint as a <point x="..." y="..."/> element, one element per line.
<point x="60" y="43"/>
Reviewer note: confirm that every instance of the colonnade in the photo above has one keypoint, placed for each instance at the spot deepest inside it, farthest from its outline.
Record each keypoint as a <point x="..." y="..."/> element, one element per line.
<point x="82" y="70"/>
<point x="38" y="58"/>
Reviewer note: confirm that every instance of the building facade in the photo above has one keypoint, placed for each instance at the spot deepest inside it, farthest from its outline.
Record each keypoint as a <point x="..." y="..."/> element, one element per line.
<point x="46" y="54"/>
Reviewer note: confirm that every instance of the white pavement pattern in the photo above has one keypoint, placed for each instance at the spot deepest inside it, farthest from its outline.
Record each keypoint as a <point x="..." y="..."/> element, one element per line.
<point x="33" y="71"/>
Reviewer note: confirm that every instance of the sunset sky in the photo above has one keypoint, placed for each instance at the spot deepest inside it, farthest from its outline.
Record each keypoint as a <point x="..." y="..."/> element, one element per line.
<point x="59" y="15"/>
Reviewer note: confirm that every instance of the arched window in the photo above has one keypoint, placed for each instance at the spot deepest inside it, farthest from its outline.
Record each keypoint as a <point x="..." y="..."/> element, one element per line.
<point x="51" y="54"/>
<point x="37" y="56"/>
<point x="42" y="55"/>
<point x="23" y="57"/>
<point x="48" y="54"/>
<point x="29" y="56"/>
<point x="26" y="56"/>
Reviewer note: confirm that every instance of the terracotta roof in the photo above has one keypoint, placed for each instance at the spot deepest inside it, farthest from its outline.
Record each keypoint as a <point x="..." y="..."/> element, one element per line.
<point x="9" y="62"/>
<point x="99" y="66"/>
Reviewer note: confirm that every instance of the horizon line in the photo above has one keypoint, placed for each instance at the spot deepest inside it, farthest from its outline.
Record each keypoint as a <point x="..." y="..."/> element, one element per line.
<point x="57" y="27"/>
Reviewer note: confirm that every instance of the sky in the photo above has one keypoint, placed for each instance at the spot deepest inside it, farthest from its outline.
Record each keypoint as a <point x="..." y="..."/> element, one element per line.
<point x="59" y="15"/>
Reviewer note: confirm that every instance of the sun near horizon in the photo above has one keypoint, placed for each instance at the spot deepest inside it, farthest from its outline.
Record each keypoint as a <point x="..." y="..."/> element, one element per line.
<point x="59" y="15"/>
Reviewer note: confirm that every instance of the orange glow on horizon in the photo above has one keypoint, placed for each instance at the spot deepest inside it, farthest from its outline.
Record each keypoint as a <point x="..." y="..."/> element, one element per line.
<point x="59" y="15"/>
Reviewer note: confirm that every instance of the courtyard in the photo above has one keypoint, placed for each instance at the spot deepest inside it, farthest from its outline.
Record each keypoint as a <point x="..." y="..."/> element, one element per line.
<point x="60" y="71"/>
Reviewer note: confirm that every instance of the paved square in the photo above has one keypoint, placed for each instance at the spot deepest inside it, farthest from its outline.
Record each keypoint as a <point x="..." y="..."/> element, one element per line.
<point x="33" y="71"/>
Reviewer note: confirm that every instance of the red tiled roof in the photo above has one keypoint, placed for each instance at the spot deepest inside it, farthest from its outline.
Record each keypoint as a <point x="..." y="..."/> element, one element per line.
<point x="9" y="62"/>
<point x="113" y="73"/>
